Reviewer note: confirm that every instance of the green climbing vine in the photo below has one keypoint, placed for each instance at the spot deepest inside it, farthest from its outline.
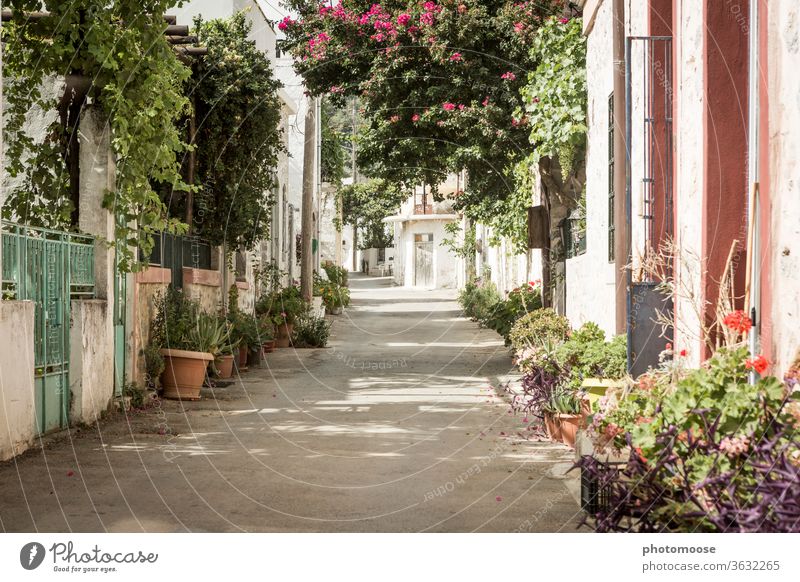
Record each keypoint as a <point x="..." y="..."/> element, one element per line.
<point x="112" y="55"/>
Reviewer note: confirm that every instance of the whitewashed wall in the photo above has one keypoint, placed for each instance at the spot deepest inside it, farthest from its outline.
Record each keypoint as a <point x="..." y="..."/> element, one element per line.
<point x="784" y="172"/>
<point x="689" y="139"/>
<point x="590" y="276"/>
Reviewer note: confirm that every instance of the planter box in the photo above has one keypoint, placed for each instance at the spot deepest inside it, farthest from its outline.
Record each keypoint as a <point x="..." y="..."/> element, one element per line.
<point x="335" y="310"/>
<point x="596" y="388"/>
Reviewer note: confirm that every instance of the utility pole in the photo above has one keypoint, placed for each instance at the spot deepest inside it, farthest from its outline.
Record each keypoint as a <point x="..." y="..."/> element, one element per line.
<point x="355" y="179"/>
<point x="307" y="217"/>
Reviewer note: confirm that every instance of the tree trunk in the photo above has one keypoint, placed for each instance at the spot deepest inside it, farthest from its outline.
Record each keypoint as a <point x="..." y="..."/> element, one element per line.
<point x="307" y="218"/>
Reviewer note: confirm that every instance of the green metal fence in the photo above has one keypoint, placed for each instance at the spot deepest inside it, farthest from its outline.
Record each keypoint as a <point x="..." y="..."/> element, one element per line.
<point x="49" y="268"/>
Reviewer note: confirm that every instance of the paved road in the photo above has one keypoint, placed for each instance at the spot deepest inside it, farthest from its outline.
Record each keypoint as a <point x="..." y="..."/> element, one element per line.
<point x="397" y="426"/>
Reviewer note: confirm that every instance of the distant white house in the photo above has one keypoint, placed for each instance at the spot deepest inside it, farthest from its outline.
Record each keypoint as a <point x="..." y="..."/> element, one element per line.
<point x="420" y="257"/>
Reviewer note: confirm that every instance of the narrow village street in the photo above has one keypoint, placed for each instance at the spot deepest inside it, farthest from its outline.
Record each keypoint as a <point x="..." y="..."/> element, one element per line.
<point x="399" y="425"/>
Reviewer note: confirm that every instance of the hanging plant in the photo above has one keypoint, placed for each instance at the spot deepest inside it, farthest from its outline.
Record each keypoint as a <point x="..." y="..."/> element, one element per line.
<point x="112" y="54"/>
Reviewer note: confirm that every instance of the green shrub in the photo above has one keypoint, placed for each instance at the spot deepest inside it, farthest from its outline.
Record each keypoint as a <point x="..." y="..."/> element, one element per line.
<point x="336" y="274"/>
<point x="588" y="355"/>
<point x="175" y="321"/>
<point x="521" y="301"/>
<point x="538" y="326"/>
<point x="311" y="332"/>
<point x="478" y="298"/>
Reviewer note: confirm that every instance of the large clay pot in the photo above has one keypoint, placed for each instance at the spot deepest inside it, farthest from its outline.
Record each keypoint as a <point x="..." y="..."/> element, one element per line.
<point x="184" y="373"/>
<point x="570" y="424"/>
<point x="225" y="366"/>
<point x="268" y="346"/>
<point x="284" y="339"/>
<point x="553" y="426"/>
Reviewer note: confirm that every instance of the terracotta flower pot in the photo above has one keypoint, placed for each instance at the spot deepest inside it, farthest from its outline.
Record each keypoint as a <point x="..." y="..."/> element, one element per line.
<point x="553" y="426"/>
<point x="184" y="373"/>
<point x="242" y="361"/>
<point x="268" y="346"/>
<point x="225" y="366"/>
<point x="284" y="339"/>
<point x="570" y="424"/>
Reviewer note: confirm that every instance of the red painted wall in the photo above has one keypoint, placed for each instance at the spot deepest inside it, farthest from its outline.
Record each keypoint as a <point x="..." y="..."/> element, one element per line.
<point x="724" y="209"/>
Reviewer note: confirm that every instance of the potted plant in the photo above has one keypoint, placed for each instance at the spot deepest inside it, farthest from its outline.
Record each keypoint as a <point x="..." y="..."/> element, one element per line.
<point x="266" y="332"/>
<point x="175" y="331"/>
<point x="336" y="298"/>
<point x="227" y="348"/>
<point x="283" y="308"/>
<point x="568" y="411"/>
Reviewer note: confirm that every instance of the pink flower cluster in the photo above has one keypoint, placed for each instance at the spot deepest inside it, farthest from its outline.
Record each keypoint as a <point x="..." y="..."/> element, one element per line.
<point x="448" y="106"/>
<point x="286" y="23"/>
<point x="456" y="57"/>
<point x="404" y="19"/>
<point x="317" y="45"/>
<point x="508" y="76"/>
<point x="734" y="446"/>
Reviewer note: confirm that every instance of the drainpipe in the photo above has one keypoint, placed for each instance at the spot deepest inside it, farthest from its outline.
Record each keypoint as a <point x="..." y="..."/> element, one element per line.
<point x="621" y="226"/>
<point x="753" y="298"/>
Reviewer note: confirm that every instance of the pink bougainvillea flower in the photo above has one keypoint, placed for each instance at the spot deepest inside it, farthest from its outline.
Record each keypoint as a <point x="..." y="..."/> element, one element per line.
<point x="336" y="89"/>
<point x="498" y="498"/>
<point x="519" y="27"/>
<point x="448" y="106"/>
<point x="456" y="57"/>
<point x="563" y="20"/>
<point x="404" y="19"/>
<point x="508" y="76"/>
<point x="431" y="7"/>
<point x="415" y="117"/>
<point x="461" y="107"/>
<point x="486" y="101"/>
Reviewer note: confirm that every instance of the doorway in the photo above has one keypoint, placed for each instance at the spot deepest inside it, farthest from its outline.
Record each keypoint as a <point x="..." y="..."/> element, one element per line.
<point x="423" y="260"/>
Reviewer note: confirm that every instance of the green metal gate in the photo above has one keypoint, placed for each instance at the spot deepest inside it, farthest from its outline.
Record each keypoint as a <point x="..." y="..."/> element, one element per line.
<point x="49" y="268"/>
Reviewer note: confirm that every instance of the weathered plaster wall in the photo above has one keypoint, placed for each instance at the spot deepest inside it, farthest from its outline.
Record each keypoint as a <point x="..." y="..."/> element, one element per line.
<point x="149" y="284"/>
<point x="17" y="412"/>
<point x="784" y="177"/>
<point x="590" y="277"/>
<point x="204" y="286"/>
<point x="689" y="108"/>
<point x="91" y="360"/>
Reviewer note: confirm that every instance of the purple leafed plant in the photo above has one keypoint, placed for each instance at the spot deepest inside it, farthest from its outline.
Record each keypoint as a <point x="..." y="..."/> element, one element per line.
<point x="758" y="492"/>
<point x="537" y="387"/>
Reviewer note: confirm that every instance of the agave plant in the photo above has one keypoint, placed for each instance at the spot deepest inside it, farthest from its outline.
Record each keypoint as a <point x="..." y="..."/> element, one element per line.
<point x="211" y="335"/>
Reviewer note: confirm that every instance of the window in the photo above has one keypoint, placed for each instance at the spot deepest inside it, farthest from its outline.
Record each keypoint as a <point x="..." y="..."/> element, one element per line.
<point x="611" y="178"/>
<point x="241" y="266"/>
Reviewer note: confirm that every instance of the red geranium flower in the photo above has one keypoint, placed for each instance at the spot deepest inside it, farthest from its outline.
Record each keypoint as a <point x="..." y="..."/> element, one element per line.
<point x="738" y="321"/>
<point x="759" y="364"/>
